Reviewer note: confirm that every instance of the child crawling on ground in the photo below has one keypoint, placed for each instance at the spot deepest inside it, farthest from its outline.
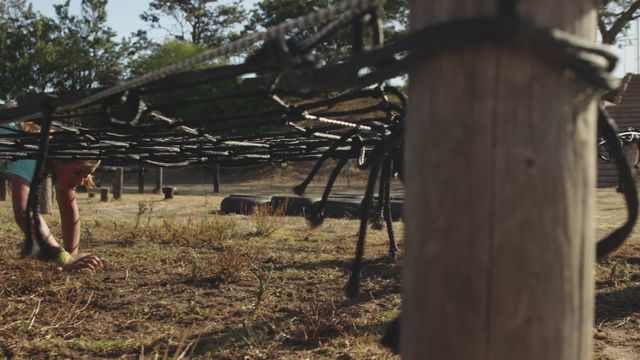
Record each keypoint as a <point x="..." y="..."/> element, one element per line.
<point x="67" y="176"/>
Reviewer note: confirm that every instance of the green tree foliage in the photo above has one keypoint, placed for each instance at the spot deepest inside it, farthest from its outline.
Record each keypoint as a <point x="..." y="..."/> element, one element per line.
<point x="70" y="53"/>
<point x="202" y="22"/>
<point x="200" y="105"/>
<point x="272" y="12"/>
<point x="91" y="55"/>
<point x="164" y="55"/>
<point x="27" y="49"/>
<point x="615" y="17"/>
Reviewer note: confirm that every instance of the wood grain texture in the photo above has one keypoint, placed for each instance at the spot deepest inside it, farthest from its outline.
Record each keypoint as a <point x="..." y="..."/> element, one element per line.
<point x="500" y="183"/>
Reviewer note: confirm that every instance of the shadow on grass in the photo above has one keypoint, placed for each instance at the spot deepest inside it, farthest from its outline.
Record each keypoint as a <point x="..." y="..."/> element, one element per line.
<point x="617" y="304"/>
<point x="278" y="332"/>
<point x="633" y="260"/>
<point x="383" y="266"/>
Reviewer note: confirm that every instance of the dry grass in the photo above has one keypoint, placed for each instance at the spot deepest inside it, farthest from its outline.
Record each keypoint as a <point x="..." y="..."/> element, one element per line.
<point x="182" y="282"/>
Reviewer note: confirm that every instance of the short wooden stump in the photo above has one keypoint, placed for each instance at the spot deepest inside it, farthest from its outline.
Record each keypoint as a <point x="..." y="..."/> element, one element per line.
<point x="104" y="194"/>
<point x="168" y="192"/>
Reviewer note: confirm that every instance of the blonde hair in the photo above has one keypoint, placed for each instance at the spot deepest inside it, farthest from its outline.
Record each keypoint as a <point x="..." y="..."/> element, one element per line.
<point x="29" y="126"/>
<point x="86" y="164"/>
<point x="92" y="164"/>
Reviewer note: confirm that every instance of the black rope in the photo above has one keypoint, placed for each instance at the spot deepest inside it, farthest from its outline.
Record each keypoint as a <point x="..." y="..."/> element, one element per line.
<point x="613" y="241"/>
<point x="46" y="251"/>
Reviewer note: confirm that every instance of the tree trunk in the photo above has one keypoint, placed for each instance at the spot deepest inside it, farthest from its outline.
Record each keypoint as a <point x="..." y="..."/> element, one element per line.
<point x="500" y="189"/>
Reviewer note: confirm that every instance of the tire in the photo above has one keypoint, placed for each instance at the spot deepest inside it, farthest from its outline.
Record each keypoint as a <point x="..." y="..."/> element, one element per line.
<point x="291" y="205"/>
<point x="242" y="204"/>
<point x="340" y="208"/>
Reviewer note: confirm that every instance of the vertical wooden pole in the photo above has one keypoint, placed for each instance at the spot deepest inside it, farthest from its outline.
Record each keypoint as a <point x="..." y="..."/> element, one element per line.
<point x="104" y="194"/>
<point x="158" y="188"/>
<point x="3" y="189"/>
<point x="499" y="197"/>
<point x="46" y="196"/>
<point x="118" y="182"/>
<point x="141" y="179"/>
<point x="216" y="178"/>
<point x="633" y="155"/>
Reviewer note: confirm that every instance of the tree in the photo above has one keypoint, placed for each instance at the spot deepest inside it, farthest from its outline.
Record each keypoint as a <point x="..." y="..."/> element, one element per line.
<point x="27" y="53"/>
<point x="71" y="53"/>
<point x="202" y="22"/>
<point x="272" y="12"/>
<point x="91" y="55"/>
<point x="615" y="16"/>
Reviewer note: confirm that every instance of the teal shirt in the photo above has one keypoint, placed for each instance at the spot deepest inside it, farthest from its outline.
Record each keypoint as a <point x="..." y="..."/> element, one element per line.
<point x="22" y="168"/>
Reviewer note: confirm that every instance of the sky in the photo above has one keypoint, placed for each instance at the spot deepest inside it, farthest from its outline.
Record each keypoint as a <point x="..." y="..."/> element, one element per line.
<point x="629" y="50"/>
<point x="123" y="16"/>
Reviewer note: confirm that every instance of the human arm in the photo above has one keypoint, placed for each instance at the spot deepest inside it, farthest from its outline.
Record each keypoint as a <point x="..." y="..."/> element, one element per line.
<point x="76" y="262"/>
<point x="69" y="218"/>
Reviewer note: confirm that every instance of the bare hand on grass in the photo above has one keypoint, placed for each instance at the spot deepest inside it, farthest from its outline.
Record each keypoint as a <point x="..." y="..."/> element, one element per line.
<point x="83" y="262"/>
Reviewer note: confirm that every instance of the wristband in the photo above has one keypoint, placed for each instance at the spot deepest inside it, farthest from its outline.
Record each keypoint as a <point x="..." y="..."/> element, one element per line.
<point x="63" y="257"/>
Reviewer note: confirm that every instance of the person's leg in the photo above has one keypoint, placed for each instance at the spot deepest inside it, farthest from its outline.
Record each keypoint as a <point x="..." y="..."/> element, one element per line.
<point x="19" y="198"/>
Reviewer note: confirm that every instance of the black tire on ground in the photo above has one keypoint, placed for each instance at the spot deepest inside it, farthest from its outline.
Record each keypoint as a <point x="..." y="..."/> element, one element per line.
<point x="242" y="205"/>
<point x="291" y="205"/>
<point x="340" y="208"/>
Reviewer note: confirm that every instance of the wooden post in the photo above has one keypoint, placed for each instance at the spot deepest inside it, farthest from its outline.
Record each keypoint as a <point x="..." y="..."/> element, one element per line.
<point x="216" y="178"/>
<point x="632" y="155"/>
<point x="46" y="196"/>
<point x="3" y="189"/>
<point x="158" y="188"/>
<point x="168" y="192"/>
<point x="104" y="194"/>
<point x="141" y="179"/>
<point x="118" y="181"/>
<point x="500" y="197"/>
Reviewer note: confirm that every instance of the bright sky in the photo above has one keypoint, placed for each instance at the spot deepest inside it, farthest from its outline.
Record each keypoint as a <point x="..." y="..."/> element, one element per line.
<point x="123" y="16"/>
<point x="629" y="47"/>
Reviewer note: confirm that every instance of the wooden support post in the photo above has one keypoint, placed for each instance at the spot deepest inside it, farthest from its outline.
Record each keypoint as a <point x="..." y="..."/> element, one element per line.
<point x="216" y="178"/>
<point x="158" y="188"/>
<point x="118" y="182"/>
<point x="141" y="179"/>
<point x="633" y="155"/>
<point x="4" y="186"/>
<point x="500" y="197"/>
<point x="168" y="192"/>
<point x="104" y="194"/>
<point x="46" y="196"/>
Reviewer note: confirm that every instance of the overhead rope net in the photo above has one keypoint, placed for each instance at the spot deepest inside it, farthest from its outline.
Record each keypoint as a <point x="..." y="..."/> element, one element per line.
<point x="305" y="105"/>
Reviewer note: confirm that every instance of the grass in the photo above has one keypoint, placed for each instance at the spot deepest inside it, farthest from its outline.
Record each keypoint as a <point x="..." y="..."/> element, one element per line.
<point x="181" y="281"/>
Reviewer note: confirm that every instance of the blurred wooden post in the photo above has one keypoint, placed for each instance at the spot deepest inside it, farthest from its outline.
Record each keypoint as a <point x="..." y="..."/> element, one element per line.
<point x="158" y="188"/>
<point x="141" y="179"/>
<point x="168" y="192"/>
<point x="118" y="182"/>
<point x="3" y="189"/>
<point x="500" y="197"/>
<point x="633" y="155"/>
<point x="216" y="178"/>
<point x="46" y="198"/>
<point x="104" y="194"/>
